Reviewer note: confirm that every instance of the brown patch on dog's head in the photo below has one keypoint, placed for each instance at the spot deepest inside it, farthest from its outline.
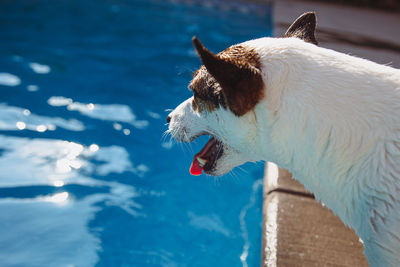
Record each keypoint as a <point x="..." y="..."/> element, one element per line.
<point x="207" y="92"/>
<point x="304" y="28"/>
<point x="231" y="79"/>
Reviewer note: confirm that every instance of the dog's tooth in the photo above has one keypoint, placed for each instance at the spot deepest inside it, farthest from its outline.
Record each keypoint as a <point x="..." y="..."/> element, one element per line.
<point x="202" y="161"/>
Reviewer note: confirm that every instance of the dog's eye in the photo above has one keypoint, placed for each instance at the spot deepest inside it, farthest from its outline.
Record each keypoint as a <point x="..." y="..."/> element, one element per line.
<point x="195" y="96"/>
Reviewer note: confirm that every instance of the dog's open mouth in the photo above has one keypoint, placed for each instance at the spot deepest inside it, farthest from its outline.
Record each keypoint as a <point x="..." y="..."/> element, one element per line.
<point x="207" y="157"/>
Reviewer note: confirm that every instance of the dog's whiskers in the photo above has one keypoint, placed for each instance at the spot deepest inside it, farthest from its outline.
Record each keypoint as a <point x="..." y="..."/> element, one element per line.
<point x="217" y="181"/>
<point x="164" y="135"/>
<point x="242" y="169"/>
<point x="189" y="145"/>
<point x="234" y="175"/>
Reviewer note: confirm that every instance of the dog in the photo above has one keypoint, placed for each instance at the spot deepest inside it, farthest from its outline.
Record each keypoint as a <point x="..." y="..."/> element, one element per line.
<point x="331" y="119"/>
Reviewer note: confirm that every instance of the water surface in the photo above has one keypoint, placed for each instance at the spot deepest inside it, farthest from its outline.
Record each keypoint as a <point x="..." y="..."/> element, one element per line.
<point x="86" y="177"/>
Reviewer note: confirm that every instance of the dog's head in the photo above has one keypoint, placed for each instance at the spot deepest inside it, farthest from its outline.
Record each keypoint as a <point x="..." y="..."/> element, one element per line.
<point x="227" y="91"/>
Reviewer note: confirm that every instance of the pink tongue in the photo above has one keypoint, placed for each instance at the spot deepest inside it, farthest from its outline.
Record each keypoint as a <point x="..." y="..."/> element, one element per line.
<point x="195" y="168"/>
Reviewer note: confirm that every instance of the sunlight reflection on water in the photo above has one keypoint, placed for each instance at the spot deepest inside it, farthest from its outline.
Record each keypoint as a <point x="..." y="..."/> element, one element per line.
<point x="59" y="198"/>
<point x="16" y="118"/>
<point x="57" y="231"/>
<point x="58" y="163"/>
<point x="39" y="68"/>
<point x="9" y="79"/>
<point x="109" y="112"/>
<point x="43" y="161"/>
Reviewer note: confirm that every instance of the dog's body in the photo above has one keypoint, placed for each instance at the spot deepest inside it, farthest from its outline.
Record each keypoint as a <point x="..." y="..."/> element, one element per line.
<point x="331" y="119"/>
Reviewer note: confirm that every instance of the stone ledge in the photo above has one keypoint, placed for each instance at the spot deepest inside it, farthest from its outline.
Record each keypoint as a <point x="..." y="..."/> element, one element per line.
<point x="281" y="180"/>
<point x="298" y="231"/>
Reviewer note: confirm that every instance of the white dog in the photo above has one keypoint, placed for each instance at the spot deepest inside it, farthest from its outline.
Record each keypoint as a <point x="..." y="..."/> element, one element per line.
<point x="331" y="119"/>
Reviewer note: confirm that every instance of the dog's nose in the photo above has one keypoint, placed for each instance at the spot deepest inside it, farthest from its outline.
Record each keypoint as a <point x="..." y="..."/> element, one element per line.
<point x="168" y="118"/>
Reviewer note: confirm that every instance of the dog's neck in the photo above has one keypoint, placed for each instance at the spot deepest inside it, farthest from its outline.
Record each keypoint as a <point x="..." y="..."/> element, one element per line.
<point x="320" y="124"/>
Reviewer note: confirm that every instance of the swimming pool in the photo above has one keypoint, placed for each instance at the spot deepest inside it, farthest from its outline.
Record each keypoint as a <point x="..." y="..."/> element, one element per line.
<point x="86" y="177"/>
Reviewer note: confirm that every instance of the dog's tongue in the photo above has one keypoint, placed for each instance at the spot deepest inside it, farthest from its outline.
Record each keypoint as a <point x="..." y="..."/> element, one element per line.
<point x="196" y="168"/>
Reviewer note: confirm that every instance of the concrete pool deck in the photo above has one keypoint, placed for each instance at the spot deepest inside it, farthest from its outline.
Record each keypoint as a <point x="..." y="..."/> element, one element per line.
<point x="297" y="230"/>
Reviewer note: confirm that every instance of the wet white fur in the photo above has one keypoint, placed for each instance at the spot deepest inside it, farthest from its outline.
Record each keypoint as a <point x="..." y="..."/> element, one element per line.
<point x="331" y="119"/>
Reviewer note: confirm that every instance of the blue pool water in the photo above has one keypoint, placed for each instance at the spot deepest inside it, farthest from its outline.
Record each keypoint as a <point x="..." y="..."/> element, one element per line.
<point x="86" y="178"/>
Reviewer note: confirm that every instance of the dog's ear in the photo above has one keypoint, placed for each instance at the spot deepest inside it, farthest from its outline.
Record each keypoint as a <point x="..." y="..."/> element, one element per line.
<point x="241" y="82"/>
<point x="304" y="28"/>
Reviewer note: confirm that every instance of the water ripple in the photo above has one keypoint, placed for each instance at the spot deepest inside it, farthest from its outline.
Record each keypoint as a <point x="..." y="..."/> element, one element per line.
<point x="257" y="185"/>
<point x="109" y="112"/>
<point x="49" y="161"/>
<point x="58" y="229"/>
<point x="8" y="79"/>
<point x="39" y="68"/>
<point x="16" y="118"/>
